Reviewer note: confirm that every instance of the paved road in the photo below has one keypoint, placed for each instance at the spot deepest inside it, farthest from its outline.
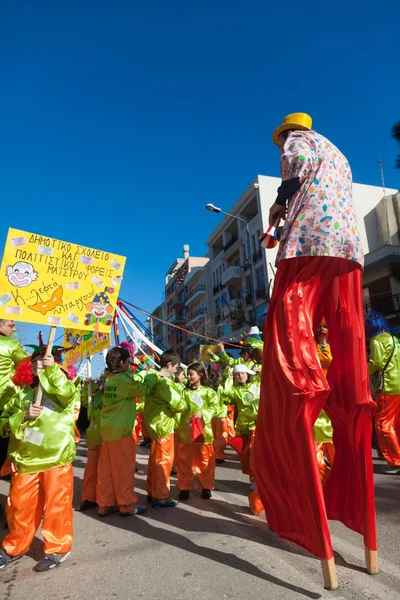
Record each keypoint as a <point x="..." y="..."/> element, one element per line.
<point x="205" y="550"/>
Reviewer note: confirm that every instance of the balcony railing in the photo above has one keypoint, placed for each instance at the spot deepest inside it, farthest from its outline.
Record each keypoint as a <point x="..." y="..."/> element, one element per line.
<point x="179" y="301"/>
<point x="230" y="243"/>
<point x="200" y="288"/>
<point x="387" y="305"/>
<point x="217" y="288"/>
<point x="197" y="314"/>
<point x="231" y="274"/>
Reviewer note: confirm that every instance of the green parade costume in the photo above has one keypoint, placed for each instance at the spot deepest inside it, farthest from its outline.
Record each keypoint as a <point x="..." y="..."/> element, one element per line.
<point x="118" y="414"/>
<point x="163" y="403"/>
<point x="247" y="398"/>
<point x="204" y="400"/>
<point x="41" y="450"/>
<point x="46" y="442"/>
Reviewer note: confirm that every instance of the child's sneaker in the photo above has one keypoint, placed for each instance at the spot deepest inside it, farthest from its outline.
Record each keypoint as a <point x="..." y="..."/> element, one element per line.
<point x="133" y="509"/>
<point x="5" y="558"/>
<point x="107" y="510"/>
<point x="184" y="495"/>
<point x="167" y="503"/>
<point x="206" y="494"/>
<point x="50" y="561"/>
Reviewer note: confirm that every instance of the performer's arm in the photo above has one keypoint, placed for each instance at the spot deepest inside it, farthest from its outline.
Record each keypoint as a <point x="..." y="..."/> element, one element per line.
<point x="297" y="162"/>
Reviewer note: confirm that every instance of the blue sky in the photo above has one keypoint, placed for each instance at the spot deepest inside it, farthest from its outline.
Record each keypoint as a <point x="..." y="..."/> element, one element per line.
<point x="121" y="121"/>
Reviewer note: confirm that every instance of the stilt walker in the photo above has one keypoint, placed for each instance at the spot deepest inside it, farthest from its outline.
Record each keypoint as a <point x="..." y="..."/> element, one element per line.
<point x="319" y="274"/>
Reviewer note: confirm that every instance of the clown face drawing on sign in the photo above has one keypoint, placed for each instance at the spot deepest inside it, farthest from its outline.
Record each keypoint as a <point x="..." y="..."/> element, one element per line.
<point x="21" y="274"/>
<point x="100" y="309"/>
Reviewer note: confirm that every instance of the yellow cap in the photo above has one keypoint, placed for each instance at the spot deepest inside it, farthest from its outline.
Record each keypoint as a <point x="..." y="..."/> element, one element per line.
<point x="294" y="121"/>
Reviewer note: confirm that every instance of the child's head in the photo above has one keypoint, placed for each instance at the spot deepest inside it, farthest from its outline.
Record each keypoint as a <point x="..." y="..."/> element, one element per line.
<point x="257" y="355"/>
<point x="117" y="360"/>
<point x="197" y="373"/>
<point x="242" y="375"/>
<point x="376" y="324"/>
<point x="245" y="352"/>
<point x="170" y="361"/>
<point x="180" y="375"/>
<point x="214" y="377"/>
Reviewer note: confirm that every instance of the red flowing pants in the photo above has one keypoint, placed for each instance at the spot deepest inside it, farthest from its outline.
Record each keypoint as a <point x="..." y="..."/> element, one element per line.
<point x="293" y="392"/>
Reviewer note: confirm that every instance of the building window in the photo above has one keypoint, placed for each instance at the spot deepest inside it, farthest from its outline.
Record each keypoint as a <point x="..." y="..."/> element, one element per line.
<point x="260" y="278"/>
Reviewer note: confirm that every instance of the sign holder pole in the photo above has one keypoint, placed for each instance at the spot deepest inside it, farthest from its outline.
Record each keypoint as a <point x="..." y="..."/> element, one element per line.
<point x="89" y="375"/>
<point x="49" y="347"/>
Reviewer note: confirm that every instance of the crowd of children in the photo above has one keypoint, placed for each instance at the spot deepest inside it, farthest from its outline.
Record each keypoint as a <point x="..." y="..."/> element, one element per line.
<point x="189" y="415"/>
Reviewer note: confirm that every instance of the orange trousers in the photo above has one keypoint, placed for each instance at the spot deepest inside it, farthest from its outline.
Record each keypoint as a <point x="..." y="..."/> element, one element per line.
<point x="255" y="504"/>
<point x="161" y="460"/>
<point x="325" y="449"/>
<point x="90" y="476"/>
<point x="199" y="460"/>
<point x="247" y="455"/>
<point x="230" y="421"/>
<point x="220" y="430"/>
<point x="116" y="473"/>
<point x="33" y="495"/>
<point x="176" y="446"/>
<point x="386" y="416"/>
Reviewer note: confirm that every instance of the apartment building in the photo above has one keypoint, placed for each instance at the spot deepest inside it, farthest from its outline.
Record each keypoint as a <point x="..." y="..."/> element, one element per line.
<point x="157" y="328"/>
<point x="237" y="261"/>
<point x="178" y="279"/>
<point x="381" y="278"/>
<point x="196" y="309"/>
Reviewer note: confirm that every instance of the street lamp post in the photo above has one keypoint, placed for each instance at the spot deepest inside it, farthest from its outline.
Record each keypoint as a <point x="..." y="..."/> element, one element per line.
<point x="216" y="209"/>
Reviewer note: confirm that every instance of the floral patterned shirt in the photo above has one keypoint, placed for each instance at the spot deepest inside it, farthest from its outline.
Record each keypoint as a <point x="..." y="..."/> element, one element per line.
<point x="321" y="219"/>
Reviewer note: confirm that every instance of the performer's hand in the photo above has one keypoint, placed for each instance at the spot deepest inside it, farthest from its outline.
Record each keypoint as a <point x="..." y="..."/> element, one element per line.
<point x="48" y="360"/>
<point x="33" y="412"/>
<point x="276" y="211"/>
<point x="198" y="415"/>
<point x="7" y="429"/>
<point x="221" y="346"/>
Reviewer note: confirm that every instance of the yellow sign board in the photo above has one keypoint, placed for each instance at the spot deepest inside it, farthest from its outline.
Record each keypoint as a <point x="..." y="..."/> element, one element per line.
<point x="83" y="344"/>
<point x="206" y="352"/>
<point x="50" y="282"/>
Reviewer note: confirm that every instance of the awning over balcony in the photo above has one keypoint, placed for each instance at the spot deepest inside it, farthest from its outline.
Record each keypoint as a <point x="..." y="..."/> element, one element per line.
<point x="381" y="257"/>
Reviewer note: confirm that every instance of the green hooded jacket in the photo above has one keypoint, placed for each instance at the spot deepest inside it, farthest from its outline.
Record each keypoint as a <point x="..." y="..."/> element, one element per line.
<point x="40" y="444"/>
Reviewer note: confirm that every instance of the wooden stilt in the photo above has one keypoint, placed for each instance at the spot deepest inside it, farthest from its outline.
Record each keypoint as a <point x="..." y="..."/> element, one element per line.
<point x="371" y="560"/>
<point x="329" y="574"/>
<point x="49" y="347"/>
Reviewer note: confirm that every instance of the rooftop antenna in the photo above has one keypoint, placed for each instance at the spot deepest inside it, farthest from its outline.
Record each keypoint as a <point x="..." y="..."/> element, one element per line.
<point x="380" y="160"/>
